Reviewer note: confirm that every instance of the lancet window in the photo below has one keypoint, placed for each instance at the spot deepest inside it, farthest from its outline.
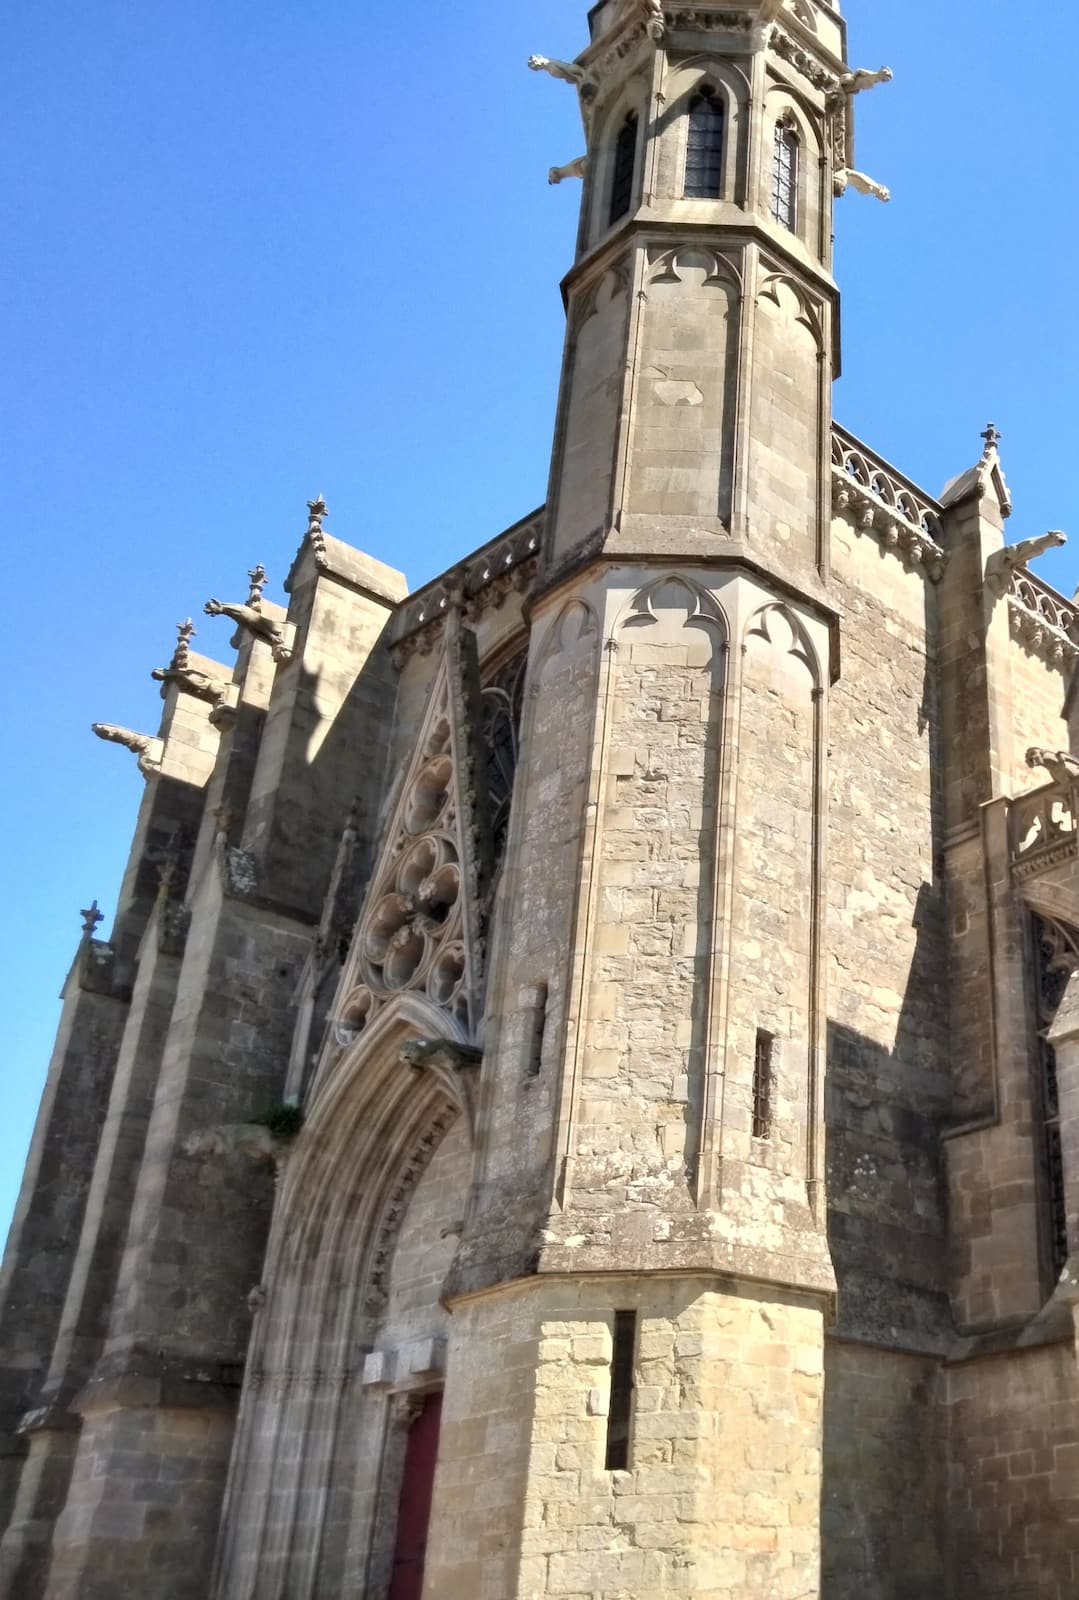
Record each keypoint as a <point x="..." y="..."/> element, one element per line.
<point x="501" y="703"/>
<point x="704" y="146"/>
<point x="624" y="168"/>
<point x="785" y="161"/>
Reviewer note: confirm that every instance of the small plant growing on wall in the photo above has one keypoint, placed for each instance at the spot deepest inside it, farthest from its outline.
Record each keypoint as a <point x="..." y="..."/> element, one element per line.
<point x="284" y="1121"/>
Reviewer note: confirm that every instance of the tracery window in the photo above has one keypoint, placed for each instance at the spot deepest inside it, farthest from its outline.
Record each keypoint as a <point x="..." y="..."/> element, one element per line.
<point x="785" y="163"/>
<point x="501" y="701"/>
<point x="625" y="166"/>
<point x="1055" y="960"/>
<point x="704" y="146"/>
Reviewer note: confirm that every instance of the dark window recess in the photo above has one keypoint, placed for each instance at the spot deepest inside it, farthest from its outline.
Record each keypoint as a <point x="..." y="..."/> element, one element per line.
<point x="1055" y="960"/>
<point x="625" y="166"/>
<point x="539" y="1028"/>
<point x="762" y="1084"/>
<point x="500" y="703"/>
<point x="785" y="176"/>
<point x="620" y="1413"/>
<point x="704" y="148"/>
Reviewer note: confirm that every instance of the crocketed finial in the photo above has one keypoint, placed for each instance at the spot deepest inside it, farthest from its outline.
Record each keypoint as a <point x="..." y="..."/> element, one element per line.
<point x="91" y="916"/>
<point x="181" y="656"/>
<point x="257" y="575"/>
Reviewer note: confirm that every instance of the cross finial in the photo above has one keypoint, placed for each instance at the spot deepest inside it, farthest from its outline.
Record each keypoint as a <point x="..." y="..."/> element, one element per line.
<point x="316" y="510"/>
<point x="257" y="575"/>
<point x="992" y="437"/>
<point x="91" y="916"/>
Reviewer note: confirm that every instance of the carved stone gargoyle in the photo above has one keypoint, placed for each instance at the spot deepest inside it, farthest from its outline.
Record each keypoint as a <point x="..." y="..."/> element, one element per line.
<point x="278" y="635"/>
<point x="841" y="106"/>
<point x="572" y="169"/>
<point x="149" y="749"/>
<point x="1062" y="767"/>
<point x="186" y="677"/>
<point x="1002" y="563"/>
<point x="455" y="1065"/>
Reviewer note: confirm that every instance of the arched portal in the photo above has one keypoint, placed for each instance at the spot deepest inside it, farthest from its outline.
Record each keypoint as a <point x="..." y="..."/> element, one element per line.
<point x="349" y="1338"/>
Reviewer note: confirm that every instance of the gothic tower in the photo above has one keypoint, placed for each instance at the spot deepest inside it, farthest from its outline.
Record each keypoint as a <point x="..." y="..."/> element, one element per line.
<point x="649" y="1172"/>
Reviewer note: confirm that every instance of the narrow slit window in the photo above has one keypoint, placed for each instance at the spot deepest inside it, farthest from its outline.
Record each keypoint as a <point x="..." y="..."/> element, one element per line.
<point x="620" y="1413"/>
<point x="539" y="1028"/>
<point x="704" y="146"/>
<point x="625" y="166"/>
<point x="785" y="175"/>
<point x="762" y="1084"/>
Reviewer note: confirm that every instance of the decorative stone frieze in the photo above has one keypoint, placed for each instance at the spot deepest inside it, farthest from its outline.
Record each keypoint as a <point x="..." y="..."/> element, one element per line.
<point x="1041" y="619"/>
<point x="878" y="501"/>
<point x="806" y="65"/>
<point x="508" y="563"/>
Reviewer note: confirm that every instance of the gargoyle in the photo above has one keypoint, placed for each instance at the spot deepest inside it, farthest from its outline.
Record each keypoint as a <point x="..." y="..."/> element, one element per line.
<point x="148" y="748"/>
<point x="1002" y="563"/>
<point x="572" y="169"/>
<point x="862" y="78"/>
<point x="565" y="71"/>
<point x="254" y="623"/>
<point x="846" y="178"/>
<point x="586" y="83"/>
<point x="181" y="672"/>
<point x="1061" y="767"/>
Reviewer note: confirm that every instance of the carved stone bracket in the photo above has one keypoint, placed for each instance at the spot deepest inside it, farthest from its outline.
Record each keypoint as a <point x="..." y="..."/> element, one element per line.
<point x="456" y="1066"/>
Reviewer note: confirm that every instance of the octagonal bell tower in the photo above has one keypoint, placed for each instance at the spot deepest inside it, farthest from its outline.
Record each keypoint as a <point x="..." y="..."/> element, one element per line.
<point x="702" y="315"/>
<point x="642" y="1282"/>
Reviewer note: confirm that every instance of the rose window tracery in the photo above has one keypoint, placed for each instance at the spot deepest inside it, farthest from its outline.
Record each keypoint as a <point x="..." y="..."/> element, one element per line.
<point x="414" y="930"/>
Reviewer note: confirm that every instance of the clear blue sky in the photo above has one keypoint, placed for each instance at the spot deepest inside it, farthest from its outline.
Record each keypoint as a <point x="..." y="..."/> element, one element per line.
<point x="258" y="250"/>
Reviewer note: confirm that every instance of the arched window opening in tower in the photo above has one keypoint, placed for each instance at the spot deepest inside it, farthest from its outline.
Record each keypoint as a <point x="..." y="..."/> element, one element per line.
<point x="704" y="146"/>
<point x="625" y="165"/>
<point x="785" y="175"/>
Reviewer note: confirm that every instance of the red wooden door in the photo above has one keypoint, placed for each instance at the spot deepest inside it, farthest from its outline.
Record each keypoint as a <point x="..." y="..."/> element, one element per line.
<point x="414" y="1509"/>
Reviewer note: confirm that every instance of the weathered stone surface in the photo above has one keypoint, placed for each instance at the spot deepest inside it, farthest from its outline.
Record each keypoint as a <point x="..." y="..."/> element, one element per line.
<point x="625" y="989"/>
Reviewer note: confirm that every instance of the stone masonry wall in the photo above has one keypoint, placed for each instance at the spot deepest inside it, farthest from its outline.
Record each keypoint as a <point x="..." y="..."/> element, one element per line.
<point x="720" y="1498"/>
<point x="1038" y="692"/>
<point x="1013" y="1486"/>
<point x="642" y="1072"/>
<point x="881" y="1521"/>
<point x="888" y="1084"/>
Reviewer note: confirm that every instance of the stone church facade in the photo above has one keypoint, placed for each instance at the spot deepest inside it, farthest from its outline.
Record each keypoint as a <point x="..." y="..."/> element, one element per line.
<point x="581" y="1095"/>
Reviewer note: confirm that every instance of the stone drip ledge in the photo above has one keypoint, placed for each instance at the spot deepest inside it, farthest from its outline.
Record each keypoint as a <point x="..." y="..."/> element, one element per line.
<point x="879" y="501"/>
